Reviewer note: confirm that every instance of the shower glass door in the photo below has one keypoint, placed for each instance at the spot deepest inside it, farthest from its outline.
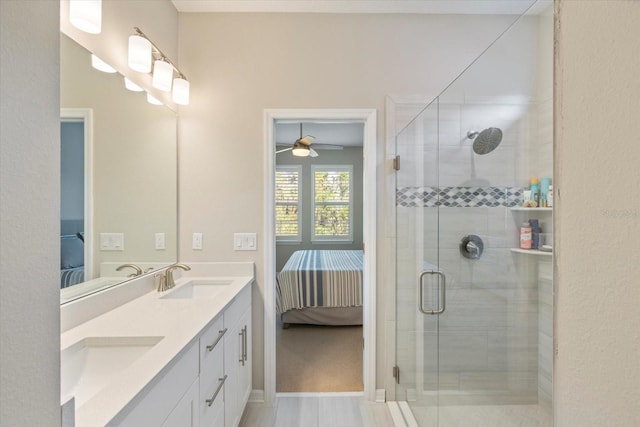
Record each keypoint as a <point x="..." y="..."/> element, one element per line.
<point x="473" y="313"/>
<point x="419" y="287"/>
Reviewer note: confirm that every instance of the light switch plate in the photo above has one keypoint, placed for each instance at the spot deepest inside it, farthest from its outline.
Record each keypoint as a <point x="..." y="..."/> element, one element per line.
<point x="245" y="242"/>
<point x="196" y="241"/>
<point x="112" y="241"/>
<point x="159" y="241"/>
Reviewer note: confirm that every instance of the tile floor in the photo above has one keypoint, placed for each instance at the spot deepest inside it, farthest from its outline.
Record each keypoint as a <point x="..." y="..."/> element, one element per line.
<point x="484" y="416"/>
<point x="318" y="411"/>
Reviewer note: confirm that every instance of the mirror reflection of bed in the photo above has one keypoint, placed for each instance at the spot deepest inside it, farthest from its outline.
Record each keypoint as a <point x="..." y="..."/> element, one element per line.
<point x="319" y="259"/>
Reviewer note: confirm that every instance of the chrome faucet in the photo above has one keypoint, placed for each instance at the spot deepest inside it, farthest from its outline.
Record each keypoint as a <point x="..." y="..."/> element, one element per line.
<point x="135" y="267"/>
<point x="166" y="280"/>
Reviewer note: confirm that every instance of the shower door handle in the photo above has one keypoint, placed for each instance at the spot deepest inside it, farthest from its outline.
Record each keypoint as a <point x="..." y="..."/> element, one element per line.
<point x="443" y="294"/>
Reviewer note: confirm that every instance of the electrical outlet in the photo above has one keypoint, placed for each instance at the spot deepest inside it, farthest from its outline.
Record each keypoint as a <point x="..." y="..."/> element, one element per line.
<point x="160" y="241"/>
<point x="196" y="242"/>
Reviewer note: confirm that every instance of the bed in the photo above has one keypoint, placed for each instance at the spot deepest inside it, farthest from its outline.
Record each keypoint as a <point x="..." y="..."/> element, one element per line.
<point x="71" y="259"/>
<point x="321" y="288"/>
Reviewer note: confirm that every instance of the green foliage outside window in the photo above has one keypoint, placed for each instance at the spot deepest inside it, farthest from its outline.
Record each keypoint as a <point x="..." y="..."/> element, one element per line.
<point x="332" y="197"/>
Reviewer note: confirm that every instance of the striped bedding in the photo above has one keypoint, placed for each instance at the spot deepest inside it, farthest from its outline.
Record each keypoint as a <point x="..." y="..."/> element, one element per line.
<point x="313" y="278"/>
<point x="71" y="276"/>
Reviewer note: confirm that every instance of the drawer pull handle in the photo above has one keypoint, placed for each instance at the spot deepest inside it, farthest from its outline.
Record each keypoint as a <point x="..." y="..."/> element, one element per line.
<point x="213" y="398"/>
<point x="220" y="335"/>
<point x="242" y="334"/>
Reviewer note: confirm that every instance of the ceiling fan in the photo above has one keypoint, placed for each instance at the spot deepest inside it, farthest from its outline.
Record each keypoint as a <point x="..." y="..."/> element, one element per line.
<point x="302" y="146"/>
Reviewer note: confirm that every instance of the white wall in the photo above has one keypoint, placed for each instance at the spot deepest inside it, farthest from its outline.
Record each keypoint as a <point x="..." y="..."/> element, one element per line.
<point x="29" y="214"/>
<point x="241" y="64"/>
<point x="597" y="369"/>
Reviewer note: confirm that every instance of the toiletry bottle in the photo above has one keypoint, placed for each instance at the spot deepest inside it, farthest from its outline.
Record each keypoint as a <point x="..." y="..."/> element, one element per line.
<point x="535" y="190"/>
<point x="550" y="196"/>
<point x="544" y="191"/>
<point x="525" y="236"/>
<point x="535" y="233"/>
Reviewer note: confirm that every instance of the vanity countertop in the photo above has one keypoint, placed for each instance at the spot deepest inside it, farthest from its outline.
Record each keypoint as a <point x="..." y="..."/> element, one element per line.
<point x="178" y="321"/>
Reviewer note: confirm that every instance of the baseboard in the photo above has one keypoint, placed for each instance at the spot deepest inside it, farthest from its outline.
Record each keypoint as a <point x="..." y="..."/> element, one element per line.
<point x="256" y="396"/>
<point x="381" y="395"/>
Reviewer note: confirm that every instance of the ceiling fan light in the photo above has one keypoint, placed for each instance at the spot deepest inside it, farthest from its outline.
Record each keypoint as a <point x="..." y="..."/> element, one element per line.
<point x="300" y="150"/>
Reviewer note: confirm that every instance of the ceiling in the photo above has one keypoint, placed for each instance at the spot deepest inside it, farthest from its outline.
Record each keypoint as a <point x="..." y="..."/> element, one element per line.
<point x="473" y="7"/>
<point x="345" y="134"/>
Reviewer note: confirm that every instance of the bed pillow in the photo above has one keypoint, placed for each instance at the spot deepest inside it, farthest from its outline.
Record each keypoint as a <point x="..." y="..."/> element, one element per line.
<point x="71" y="252"/>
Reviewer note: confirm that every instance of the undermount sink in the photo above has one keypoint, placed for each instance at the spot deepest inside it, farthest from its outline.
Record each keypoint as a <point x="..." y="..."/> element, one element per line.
<point x="198" y="288"/>
<point x="88" y="365"/>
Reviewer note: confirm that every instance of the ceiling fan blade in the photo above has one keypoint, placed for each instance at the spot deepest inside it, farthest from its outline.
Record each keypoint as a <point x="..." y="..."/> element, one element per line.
<point x="327" y="147"/>
<point x="312" y="152"/>
<point x="283" y="150"/>
<point x="306" y="140"/>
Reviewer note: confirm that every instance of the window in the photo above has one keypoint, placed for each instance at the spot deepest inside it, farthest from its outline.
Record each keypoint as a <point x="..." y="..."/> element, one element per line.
<point x="288" y="203"/>
<point x="332" y="201"/>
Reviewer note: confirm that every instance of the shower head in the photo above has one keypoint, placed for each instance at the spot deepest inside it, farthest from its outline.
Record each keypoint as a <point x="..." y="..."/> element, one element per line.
<point x="485" y="141"/>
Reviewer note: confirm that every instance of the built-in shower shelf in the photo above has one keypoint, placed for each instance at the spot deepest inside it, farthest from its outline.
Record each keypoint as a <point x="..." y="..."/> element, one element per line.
<point x="521" y="208"/>
<point x="531" y="252"/>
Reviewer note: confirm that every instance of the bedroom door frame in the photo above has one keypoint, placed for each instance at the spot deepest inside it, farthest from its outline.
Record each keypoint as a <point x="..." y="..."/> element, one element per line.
<point x="85" y="115"/>
<point x="368" y="118"/>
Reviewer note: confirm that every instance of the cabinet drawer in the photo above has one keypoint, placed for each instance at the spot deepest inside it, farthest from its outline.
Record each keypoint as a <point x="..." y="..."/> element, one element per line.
<point x="211" y="343"/>
<point x="212" y="395"/>
<point x="240" y="303"/>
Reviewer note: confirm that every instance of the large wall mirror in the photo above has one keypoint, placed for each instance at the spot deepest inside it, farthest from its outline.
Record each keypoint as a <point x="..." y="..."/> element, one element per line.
<point x="118" y="178"/>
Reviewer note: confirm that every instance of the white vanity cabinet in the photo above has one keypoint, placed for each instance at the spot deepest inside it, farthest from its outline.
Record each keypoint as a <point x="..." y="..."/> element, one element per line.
<point x="212" y="374"/>
<point x="167" y="395"/>
<point x="209" y="384"/>
<point x="225" y="366"/>
<point x="237" y="357"/>
<point x="186" y="413"/>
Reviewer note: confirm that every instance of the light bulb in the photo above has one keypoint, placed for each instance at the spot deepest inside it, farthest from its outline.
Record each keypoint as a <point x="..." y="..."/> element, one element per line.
<point x="86" y="15"/>
<point x="132" y="86"/>
<point x="162" y="75"/>
<point x="99" y="64"/>
<point x="153" y="100"/>
<point x="181" y="91"/>
<point x="139" y="54"/>
<point x="300" y="150"/>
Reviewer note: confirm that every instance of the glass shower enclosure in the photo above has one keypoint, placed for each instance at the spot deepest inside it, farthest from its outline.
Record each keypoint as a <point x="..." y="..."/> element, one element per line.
<point x="473" y="310"/>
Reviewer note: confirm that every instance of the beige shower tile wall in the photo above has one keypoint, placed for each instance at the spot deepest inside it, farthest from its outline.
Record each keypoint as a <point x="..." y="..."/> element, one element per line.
<point x="545" y="332"/>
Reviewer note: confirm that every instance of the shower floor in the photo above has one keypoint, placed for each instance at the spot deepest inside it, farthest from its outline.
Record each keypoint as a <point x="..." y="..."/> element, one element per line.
<point x="484" y="416"/>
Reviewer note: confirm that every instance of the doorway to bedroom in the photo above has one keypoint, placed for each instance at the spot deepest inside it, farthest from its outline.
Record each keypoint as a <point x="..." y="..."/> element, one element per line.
<point x="319" y="258"/>
<point x="319" y="336"/>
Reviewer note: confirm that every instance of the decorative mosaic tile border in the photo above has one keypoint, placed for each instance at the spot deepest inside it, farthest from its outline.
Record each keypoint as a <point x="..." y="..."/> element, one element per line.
<point x="458" y="197"/>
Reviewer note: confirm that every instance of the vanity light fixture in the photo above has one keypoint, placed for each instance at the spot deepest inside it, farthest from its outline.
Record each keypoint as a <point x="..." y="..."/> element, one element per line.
<point x="181" y="90"/>
<point x="132" y="86"/>
<point x="86" y="15"/>
<point x="99" y="64"/>
<point x="153" y="100"/>
<point x="139" y="54"/>
<point x="162" y="75"/>
<point x="143" y="51"/>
